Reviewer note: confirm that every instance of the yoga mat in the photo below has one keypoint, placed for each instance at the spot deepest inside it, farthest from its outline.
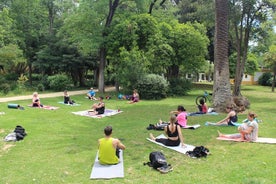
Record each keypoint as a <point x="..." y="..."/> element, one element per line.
<point x="259" y="140"/>
<point x="74" y="104"/>
<point x="179" y="148"/>
<point x="45" y="107"/>
<point x="107" y="112"/>
<point x="236" y="124"/>
<point x="107" y="171"/>
<point x="191" y="126"/>
<point x="209" y="113"/>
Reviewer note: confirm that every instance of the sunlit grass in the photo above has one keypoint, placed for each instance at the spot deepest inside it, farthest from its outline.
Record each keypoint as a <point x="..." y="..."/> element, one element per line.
<point x="61" y="147"/>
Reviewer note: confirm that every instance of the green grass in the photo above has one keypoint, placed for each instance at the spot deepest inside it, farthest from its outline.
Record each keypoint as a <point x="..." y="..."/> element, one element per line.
<point x="61" y="147"/>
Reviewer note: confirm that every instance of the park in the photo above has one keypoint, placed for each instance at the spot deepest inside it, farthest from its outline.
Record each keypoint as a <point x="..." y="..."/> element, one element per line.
<point x="166" y="54"/>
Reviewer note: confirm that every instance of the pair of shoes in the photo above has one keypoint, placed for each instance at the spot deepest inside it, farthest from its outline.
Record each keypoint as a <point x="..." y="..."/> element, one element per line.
<point x="151" y="127"/>
<point x="165" y="169"/>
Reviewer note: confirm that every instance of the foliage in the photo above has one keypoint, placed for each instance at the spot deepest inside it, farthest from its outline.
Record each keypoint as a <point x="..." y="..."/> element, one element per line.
<point x="59" y="82"/>
<point x="5" y="88"/>
<point x="40" y="87"/>
<point x="179" y="87"/>
<point x="152" y="86"/>
<point x="251" y="65"/>
<point x="265" y="79"/>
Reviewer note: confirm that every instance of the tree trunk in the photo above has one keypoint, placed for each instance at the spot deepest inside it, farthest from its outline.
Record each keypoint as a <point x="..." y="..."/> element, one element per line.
<point x="112" y="8"/>
<point x="221" y="89"/>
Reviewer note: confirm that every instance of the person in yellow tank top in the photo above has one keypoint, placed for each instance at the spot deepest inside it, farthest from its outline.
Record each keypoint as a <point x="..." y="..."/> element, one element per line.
<point x="109" y="148"/>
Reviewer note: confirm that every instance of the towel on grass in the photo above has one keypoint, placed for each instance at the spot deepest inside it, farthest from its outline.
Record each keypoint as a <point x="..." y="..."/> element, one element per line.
<point x="259" y="140"/>
<point x="48" y="107"/>
<point x="208" y="113"/>
<point x="107" y="112"/>
<point x="74" y="104"/>
<point x="179" y="148"/>
<point x="100" y="171"/>
<point x="191" y="126"/>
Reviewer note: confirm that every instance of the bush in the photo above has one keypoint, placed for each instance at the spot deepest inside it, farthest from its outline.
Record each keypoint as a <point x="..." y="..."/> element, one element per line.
<point x="152" y="87"/>
<point x="179" y="87"/>
<point x="265" y="79"/>
<point x="40" y="87"/>
<point x="59" y="82"/>
<point x="5" y="88"/>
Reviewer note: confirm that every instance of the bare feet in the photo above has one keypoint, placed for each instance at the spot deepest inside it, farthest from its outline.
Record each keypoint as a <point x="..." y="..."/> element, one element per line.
<point x="152" y="137"/>
<point x="220" y="134"/>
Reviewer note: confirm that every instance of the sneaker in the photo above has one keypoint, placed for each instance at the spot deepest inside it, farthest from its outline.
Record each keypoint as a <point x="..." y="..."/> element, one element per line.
<point x="165" y="169"/>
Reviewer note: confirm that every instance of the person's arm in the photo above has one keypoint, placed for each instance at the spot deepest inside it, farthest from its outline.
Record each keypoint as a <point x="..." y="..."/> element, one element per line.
<point x="227" y="117"/>
<point x="180" y="136"/>
<point x="246" y="131"/>
<point x="119" y="144"/>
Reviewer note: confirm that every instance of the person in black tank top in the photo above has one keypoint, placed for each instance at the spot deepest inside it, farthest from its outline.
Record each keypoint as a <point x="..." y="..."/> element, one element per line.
<point x="173" y="132"/>
<point x="98" y="108"/>
<point x="229" y="119"/>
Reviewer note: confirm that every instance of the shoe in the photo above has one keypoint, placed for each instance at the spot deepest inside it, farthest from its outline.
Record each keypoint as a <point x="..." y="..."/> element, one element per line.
<point x="165" y="169"/>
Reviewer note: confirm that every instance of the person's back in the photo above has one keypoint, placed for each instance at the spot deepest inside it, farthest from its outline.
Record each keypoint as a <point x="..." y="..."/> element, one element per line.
<point x="107" y="152"/>
<point x="109" y="148"/>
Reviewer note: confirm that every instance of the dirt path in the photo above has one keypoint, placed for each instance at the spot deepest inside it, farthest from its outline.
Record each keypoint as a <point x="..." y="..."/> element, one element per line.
<point x="49" y="95"/>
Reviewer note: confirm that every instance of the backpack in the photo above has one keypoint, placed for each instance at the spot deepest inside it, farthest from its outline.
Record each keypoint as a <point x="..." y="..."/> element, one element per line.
<point x="20" y="132"/>
<point x="158" y="162"/>
<point x="199" y="151"/>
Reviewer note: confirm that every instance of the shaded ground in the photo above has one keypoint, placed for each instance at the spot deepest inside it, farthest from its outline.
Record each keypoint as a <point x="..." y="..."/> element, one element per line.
<point x="49" y="95"/>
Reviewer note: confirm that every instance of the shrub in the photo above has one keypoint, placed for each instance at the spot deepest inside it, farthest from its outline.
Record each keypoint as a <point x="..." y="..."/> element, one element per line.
<point x="265" y="79"/>
<point x="5" y="88"/>
<point x="179" y="87"/>
<point x="152" y="86"/>
<point x="40" y="87"/>
<point x="59" y="82"/>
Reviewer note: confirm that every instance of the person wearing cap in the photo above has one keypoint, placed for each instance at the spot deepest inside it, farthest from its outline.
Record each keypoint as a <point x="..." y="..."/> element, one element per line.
<point x="109" y="148"/>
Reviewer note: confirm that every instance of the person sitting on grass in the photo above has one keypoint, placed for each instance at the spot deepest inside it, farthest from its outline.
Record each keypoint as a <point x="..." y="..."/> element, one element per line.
<point x="98" y="108"/>
<point x="229" y="120"/>
<point x="173" y="132"/>
<point x="36" y="100"/>
<point x="91" y="94"/>
<point x="248" y="131"/>
<point x="181" y="116"/>
<point x="202" y="108"/>
<point x="135" y="97"/>
<point x="67" y="99"/>
<point x="109" y="148"/>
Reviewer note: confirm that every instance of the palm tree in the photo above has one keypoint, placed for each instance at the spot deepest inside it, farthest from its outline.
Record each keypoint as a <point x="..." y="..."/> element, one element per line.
<point x="221" y="89"/>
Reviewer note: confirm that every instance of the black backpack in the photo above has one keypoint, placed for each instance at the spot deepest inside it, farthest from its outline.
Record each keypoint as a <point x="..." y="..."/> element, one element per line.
<point x="199" y="151"/>
<point x="20" y="132"/>
<point x="158" y="162"/>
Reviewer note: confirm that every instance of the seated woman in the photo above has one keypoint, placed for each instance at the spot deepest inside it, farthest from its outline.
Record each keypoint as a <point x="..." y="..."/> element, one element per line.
<point x="98" y="108"/>
<point x="248" y="131"/>
<point x="135" y="97"/>
<point x="173" y="132"/>
<point x="181" y="116"/>
<point x="202" y="108"/>
<point x="230" y="119"/>
<point x="67" y="99"/>
<point x="36" y="100"/>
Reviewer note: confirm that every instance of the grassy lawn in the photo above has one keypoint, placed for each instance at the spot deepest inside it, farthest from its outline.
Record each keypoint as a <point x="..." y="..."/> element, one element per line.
<point x="61" y="147"/>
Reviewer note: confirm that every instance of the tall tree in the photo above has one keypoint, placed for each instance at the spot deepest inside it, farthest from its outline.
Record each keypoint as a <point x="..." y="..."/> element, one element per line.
<point x="221" y="88"/>
<point x="246" y="18"/>
<point x="270" y="59"/>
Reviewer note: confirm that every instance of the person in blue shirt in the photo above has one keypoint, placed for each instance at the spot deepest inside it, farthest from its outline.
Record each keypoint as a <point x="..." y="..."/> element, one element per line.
<point x="91" y="94"/>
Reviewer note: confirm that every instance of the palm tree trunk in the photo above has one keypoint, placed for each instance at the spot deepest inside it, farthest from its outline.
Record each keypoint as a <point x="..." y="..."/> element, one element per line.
<point x="221" y="89"/>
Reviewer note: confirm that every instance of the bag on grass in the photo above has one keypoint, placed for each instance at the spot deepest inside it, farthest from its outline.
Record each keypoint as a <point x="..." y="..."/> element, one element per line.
<point x="158" y="162"/>
<point x="199" y="151"/>
<point x="20" y="132"/>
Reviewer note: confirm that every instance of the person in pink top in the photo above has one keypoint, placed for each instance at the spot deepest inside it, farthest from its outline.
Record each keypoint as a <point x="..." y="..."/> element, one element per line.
<point x="181" y="116"/>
